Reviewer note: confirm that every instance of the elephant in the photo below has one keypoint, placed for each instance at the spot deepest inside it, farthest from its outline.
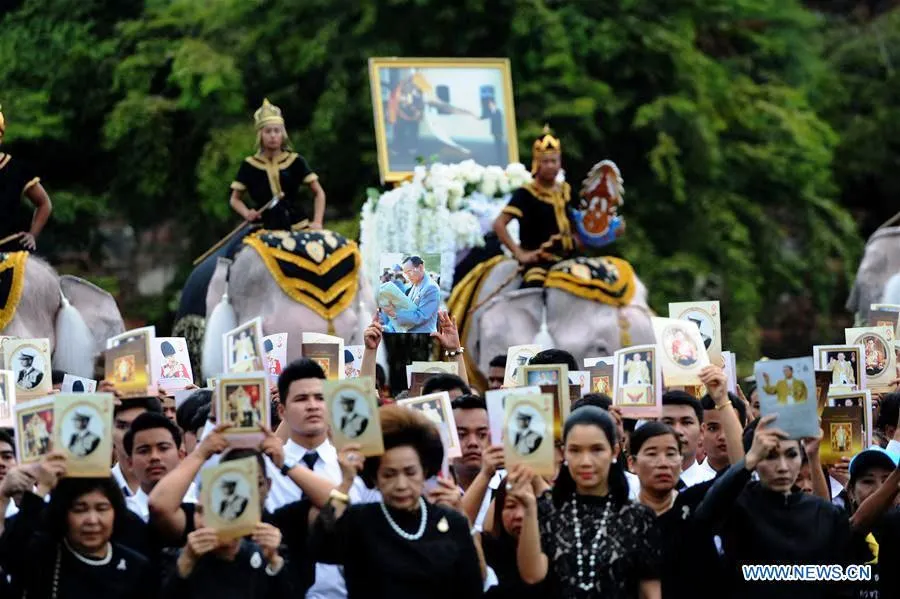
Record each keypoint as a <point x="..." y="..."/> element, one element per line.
<point x="875" y="279"/>
<point x="252" y="292"/>
<point x="76" y="316"/>
<point x="553" y="317"/>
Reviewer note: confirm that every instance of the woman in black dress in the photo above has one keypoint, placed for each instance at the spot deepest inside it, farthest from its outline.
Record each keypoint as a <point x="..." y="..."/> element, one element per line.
<point x="402" y="546"/>
<point x="67" y="553"/>
<point x="585" y="534"/>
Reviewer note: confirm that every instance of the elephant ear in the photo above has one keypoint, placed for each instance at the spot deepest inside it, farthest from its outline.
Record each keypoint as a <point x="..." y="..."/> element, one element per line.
<point x="97" y="307"/>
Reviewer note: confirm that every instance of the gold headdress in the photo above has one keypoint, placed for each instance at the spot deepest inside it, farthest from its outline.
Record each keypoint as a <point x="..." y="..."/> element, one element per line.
<point x="267" y="114"/>
<point x="544" y="145"/>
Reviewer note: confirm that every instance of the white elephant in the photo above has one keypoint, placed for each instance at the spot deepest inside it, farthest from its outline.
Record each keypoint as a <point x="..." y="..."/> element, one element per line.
<point x="76" y="316"/>
<point x="505" y="315"/>
<point x="876" y="279"/>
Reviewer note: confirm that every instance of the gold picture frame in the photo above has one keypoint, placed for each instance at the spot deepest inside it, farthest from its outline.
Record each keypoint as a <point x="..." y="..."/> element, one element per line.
<point x="403" y="89"/>
<point x="353" y="414"/>
<point x="82" y="430"/>
<point x="230" y="497"/>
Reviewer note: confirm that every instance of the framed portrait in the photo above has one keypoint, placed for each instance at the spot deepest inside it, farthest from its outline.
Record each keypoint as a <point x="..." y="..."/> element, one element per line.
<point x="146" y="335"/>
<point x="858" y="399"/>
<point x="436" y="407"/>
<point x="637" y="382"/>
<point x="230" y="497"/>
<point x="353" y="357"/>
<point x="3" y="340"/>
<point x="878" y="360"/>
<point x="449" y="109"/>
<point x="353" y="410"/>
<point x="82" y="429"/>
<point x="330" y="340"/>
<point x="275" y="348"/>
<point x="409" y="291"/>
<point x="496" y="407"/>
<point x="550" y="376"/>
<point x="528" y="436"/>
<point x="885" y="318"/>
<point x="326" y="355"/>
<point x="34" y="428"/>
<point x="582" y="379"/>
<point x="77" y="384"/>
<point x="243" y="347"/>
<point x="243" y="400"/>
<point x="430" y="369"/>
<point x="844" y="363"/>
<point x="843" y="435"/>
<point x="602" y="379"/>
<point x="707" y="316"/>
<point x="7" y="399"/>
<point x="174" y="371"/>
<point x="126" y="365"/>
<point x="681" y="351"/>
<point x="787" y="389"/>
<point x="518" y="356"/>
<point x="29" y="361"/>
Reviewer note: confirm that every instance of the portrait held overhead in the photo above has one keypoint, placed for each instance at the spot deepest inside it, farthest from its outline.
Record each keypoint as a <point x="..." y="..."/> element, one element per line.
<point x="472" y="368"/>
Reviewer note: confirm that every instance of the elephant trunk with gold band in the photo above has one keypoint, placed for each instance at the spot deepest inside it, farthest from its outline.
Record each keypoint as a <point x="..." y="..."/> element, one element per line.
<point x="19" y="230"/>
<point x="541" y="207"/>
<point x="276" y="172"/>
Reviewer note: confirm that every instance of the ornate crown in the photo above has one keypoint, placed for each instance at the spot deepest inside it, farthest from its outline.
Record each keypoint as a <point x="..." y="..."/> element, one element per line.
<point x="267" y="114"/>
<point x="546" y="143"/>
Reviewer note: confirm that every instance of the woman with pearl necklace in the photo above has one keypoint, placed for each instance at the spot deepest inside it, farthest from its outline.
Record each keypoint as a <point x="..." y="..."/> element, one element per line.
<point x="585" y="534"/>
<point x="404" y="546"/>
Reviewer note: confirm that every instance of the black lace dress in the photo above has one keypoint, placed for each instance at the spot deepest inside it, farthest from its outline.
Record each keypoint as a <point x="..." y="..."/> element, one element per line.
<point x="629" y="552"/>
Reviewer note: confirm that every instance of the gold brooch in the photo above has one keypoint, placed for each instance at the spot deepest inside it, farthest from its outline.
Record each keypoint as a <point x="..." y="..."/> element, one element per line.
<point x="443" y="525"/>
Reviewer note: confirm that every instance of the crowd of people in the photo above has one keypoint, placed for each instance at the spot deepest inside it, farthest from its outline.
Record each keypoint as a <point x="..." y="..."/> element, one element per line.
<point x="671" y="507"/>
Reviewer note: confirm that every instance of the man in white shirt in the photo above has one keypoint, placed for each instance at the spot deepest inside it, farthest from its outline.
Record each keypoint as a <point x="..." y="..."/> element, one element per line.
<point x="153" y="445"/>
<point x="684" y="414"/>
<point x="303" y="411"/>
<point x="123" y="415"/>
<point x="480" y="469"/>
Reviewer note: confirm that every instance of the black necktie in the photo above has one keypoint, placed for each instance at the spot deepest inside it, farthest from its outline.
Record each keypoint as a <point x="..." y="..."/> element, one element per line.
<point x="310" y="459"/>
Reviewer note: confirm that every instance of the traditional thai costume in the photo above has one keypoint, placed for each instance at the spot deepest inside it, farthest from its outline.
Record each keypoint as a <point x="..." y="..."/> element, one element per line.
<point x="16" y="178"/>
<point x="543" y="216"/>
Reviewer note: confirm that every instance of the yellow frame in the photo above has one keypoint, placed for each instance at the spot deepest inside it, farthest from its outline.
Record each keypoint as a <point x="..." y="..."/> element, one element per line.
<point x="501" y="64"/>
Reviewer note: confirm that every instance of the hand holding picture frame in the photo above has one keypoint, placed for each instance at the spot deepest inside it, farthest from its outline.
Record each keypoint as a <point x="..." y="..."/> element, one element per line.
<point x="82" y="430"/>
<point x="528" y="432"/>
<point x="787" y="389"/>
<point x="243" y="400"/>
<point x="230" y="497"/>
<point x="353" y="410"/>
<point x="546" y="376"/>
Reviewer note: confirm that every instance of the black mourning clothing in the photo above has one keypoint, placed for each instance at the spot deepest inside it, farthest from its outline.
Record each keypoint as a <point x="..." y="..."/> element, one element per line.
<point x="262" y="180"/>
<point x="629" y="552"/>
<point x="380" y="563"/>
<point x="16" y="177"/>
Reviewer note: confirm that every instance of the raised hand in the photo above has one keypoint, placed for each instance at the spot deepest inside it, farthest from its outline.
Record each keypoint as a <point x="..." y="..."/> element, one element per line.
<point x="200" y="542"/>
<point x="765" y="441"/>
<point x="268" y="538"/>
<point x="351" y="462"/>
<point x="215" y="442"/>
<point x="373" y="333"/>
<point x="447" y="333"/>
<point x="272" y="446"/>
<point x="446" y="493"/>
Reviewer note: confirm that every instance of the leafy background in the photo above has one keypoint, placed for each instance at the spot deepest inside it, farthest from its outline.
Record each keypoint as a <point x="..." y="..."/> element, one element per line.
<point x="758" y="138"/>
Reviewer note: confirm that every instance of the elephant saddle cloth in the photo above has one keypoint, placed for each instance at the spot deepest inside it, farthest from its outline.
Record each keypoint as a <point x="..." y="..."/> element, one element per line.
<point x="605" y="279"/>
<point x="12" y="279"/>
<point x="319" y="269"/>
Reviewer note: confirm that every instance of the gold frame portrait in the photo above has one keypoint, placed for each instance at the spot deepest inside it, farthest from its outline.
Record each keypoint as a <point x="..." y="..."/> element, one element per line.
<point x="96" y="462"/>
<point x="258" y="362"/>
<point x="32" y="408"/>
<point x="561" y="410"/>
<point x="376" y="64"/>
<point x="541" y="458"/>
<point x="245" y="469"/>
<point x="370" y="439"/>
<point x="242" y="379"/>
<point x="11" y="347"/>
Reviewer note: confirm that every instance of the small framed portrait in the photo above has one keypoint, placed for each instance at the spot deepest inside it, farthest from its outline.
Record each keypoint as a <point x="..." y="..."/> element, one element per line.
<point x="429" y="369"/>
<point x="637" y="382"/>
<point x="857" y="399"/>
<point x="34" y="428"/>
<point x="29" y="360"/>
<point x="843" y="431"/>
<point x="77" y="384"/>
<point x="496" y="407"/>
<point x="145" y="335"/>
<point x="126" y="365"/>
<point x="602" y="378"/>
<point x="409" y="292"/>
<point x="517" y="356"/>
<point x="451" y="108"/>
<point x="326" y="355"/>
<point x="844" y="362"/>
<point x="550" y="376"/>
<point x="82" y="428"/>
<point x="243" y="400"/>
<point x="174" y="372"/>
<point x="7" y="399"/>
<point x="878" y="360"/>
<point x="230" y="497"/>
<point x="353" y="357"/>
<point x="787" y="389"/>
<point x="528" y="432"/>
<point x="243" y="348"/>
<point x="436" y="407"/>
<point x="708" y="318"/>
<point x="681" y="351"/>
<point x="353" y="408"/>
<point x="275" y="347"/>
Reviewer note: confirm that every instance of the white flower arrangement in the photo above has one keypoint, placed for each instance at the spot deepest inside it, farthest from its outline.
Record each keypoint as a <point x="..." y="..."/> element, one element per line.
<point x="445" y="209"/>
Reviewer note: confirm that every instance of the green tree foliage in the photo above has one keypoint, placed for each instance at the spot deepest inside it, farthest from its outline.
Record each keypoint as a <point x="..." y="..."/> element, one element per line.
<point x="706" y="105"/>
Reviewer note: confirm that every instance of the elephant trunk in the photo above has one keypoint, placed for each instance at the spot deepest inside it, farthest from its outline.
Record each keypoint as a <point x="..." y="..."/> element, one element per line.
<point x="222" y="320"/>
<point x="74" y="352"/>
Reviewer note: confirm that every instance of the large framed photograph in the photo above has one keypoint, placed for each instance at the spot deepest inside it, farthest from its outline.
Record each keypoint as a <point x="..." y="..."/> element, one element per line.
<point x="29" y="360"/>
<point x="243" y="347"/>
<point x="243" y="400"/>
<point x="230" y="497"/>
<point x="145" y="335"/>
<point x="409" y="292"/>
<point x="7" y="399"/>
<point x="82" y="429"/>
<point x="450" y="109"/>
<point x="528" y="429"/>
<point x="436" y="407"/>
<point x="787" y="389"/>
<point x="34" y="424"/>
<point x="353" y="407"/>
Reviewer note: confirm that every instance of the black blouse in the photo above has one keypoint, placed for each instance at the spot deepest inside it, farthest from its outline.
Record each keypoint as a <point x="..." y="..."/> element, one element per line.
<point x="500" y="555"/>
<point x="443" y="564"/>
<point x="263" y="179"/>
<point x="629" y="552"/>
<point x="16" y="177"/>
<point x="541" y="214"/>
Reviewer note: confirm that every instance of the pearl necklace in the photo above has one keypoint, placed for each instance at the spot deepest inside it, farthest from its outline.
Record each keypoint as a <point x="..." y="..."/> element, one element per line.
<point x="581" y="582"/>
<point x="409" y="537"/>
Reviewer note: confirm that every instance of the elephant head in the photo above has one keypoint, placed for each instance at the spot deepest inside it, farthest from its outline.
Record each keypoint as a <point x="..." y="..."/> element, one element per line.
<point x="513" y="318"/>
